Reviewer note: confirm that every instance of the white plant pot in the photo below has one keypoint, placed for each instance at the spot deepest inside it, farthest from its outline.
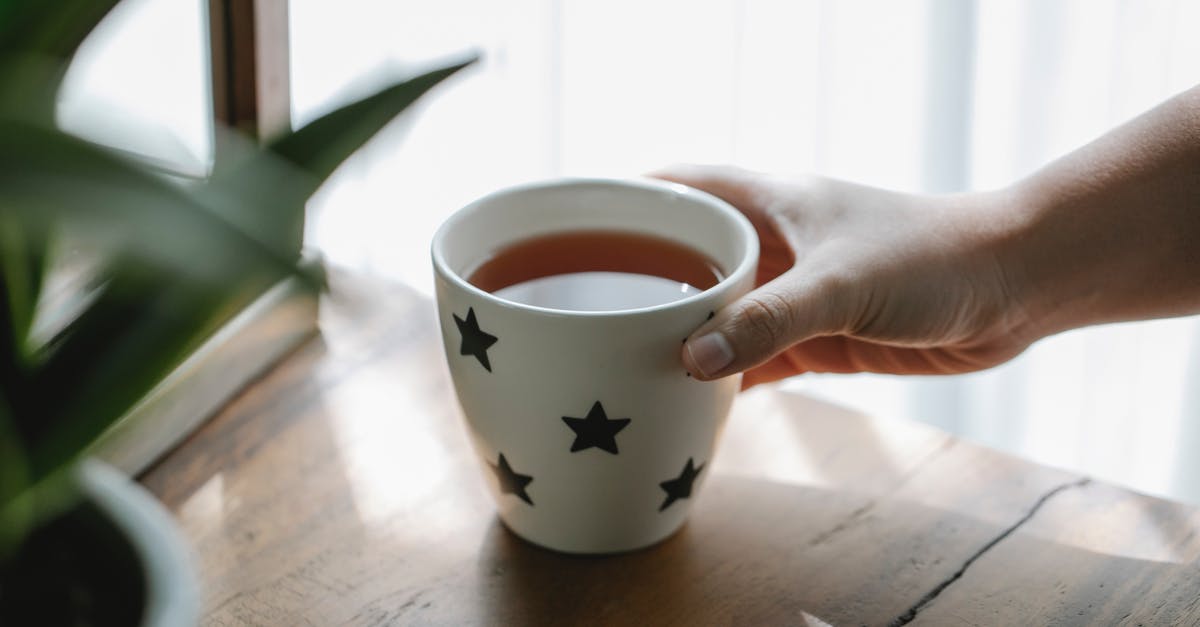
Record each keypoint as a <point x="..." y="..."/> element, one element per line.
<point x="172" y="596"/>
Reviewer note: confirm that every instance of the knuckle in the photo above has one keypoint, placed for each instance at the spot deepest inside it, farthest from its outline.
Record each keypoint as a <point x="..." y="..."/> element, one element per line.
<point x="766" y="317"/>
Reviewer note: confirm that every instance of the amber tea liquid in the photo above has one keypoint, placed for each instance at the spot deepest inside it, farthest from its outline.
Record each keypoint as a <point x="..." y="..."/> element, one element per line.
<point x="596" y="270"/>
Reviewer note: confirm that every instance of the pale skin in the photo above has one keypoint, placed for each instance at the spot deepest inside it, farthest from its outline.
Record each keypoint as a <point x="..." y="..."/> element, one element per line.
<point x="858" y="279"/>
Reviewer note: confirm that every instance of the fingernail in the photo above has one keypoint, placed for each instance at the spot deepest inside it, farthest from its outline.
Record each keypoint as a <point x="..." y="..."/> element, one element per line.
<point x="710" y="353"/>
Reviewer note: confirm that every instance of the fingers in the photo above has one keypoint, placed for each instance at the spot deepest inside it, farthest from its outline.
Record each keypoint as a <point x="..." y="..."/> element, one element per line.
<point x="752" y="194"/>
<point x="841" y="354"/>
<point x="741" y="188"/>
<point x="772" y="317"/>
<point x="777" y="368"/>
<point x="761" y="325"/>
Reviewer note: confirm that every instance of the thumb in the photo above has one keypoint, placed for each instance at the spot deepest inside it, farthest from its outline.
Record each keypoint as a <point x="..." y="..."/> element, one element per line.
<point x="761" y="325"/>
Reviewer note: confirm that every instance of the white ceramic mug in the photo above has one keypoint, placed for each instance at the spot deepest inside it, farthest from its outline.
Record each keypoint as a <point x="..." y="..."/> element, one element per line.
<point x="527" y="376"/>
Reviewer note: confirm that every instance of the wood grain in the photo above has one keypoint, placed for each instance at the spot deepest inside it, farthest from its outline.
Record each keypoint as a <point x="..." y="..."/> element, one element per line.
<point x="341" y="489"/>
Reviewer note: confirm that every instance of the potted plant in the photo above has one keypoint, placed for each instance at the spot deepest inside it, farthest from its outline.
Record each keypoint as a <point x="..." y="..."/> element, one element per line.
<point x="170" y="262"/>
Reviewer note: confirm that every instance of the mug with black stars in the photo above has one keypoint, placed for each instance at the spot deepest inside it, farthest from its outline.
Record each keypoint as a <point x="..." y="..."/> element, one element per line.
<point x="591" y="436"/>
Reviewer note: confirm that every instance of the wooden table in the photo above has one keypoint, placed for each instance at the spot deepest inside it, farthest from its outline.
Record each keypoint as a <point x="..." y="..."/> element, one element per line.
<point x="341" y="489"/>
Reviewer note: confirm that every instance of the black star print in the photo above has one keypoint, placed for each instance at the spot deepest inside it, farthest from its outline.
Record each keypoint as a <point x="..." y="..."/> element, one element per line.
<point x="511" y="482"/>
<point x="595" y="430"/>
<point x="681" y="486"/>
<point x="474" y="341"/>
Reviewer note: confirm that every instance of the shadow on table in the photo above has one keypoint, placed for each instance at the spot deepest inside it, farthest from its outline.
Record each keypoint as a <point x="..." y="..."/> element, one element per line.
<point x="757" y="553"/>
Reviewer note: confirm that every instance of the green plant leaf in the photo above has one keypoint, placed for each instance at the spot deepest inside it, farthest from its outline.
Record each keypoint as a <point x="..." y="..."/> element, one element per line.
<point x="38" y="39"/>
<point x="22" y="261"/>
<point x="23" y="254"/>
<point x="28" y="86"/>
<point x="323" y="144"/>
<point x="47" y="175"/>
<point x="175" y="271"/>
<point x="144" y="323"/>
<point x="266" y="195"/>
<point x="54" y="28"/>
<point x="15" y="515"/>
<point x="262" y="194"/>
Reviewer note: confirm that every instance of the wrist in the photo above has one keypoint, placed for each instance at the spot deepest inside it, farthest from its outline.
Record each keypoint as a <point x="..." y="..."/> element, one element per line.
<point x="1029" y="309"/>
<point x="1110" y="232"/>
<point x="1055" y="277"/>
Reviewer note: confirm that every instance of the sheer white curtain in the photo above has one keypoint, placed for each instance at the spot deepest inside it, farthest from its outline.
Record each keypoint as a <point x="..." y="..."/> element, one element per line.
<point x="928" y="95"/>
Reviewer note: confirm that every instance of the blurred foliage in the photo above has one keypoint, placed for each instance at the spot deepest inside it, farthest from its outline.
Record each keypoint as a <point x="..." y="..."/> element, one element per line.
<point x="174" y="260"/>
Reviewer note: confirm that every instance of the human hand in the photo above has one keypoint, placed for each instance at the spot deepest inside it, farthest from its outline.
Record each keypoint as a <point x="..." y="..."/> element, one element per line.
<point x="855" y="279"/>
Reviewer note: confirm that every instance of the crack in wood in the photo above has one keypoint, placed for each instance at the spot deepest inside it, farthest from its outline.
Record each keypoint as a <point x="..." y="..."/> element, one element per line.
<point x="853" y="517"/>
<point x="824" y="536"/>
<point x="911" y="615"/>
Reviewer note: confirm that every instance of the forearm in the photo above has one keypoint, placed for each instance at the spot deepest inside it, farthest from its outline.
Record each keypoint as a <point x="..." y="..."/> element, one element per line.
<point x="1112" y="231"/>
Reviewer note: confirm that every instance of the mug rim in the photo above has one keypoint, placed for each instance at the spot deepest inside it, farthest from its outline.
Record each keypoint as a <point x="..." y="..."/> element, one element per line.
<point x="745" y="230"/>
